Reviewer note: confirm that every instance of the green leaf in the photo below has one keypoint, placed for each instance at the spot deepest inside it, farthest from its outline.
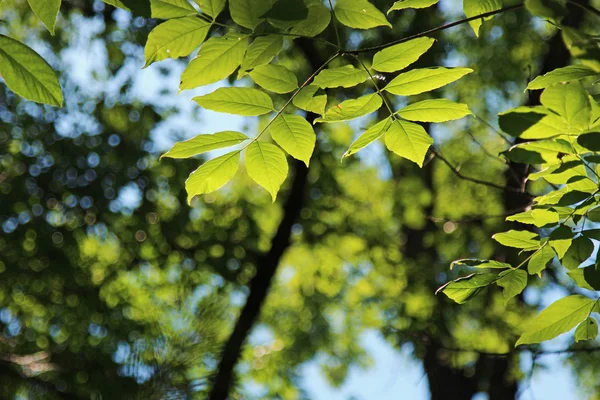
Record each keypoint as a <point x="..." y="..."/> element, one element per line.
<point x="591" y="141"/>
<point x="275" y="78"/>
<point x="473" y="8"/>
<point x="369" y="136"/>
<point x="532" y="123"/>
<point x="287" y="13"/>
<point x="474" y="263"/>
<point x="167" y="9"/>
<point x="580" y="250"/>
<point x="27" y="74"/>
<point x="520" y="239"/>
<point x="404" y="4"/>
<point x="513" y="282"/>
<point x="408" y="140"/>
<point x="359" y="14"/>
<point x="175" y="38"/>
<point x="237" y="100"/>
<point x="553" y="10"/>
<point x="353" y="108"/>
<point x="216" y="60"/>
<point x="540" y="259"/>
<point x="587" y="330"/>
<point x="46" y="11"/>
<point x="400" y="56"/>
<point x="248" y="13"/>
<point x="586" y="278"/>
<point x="316" y="21"/>
<point x="212" y="175"/>
<point x="307" y="100"/>
<point x="560" y="240"/>
<point x="561" y="75"/>
<point x="117" y="4"/>
<point x="542" y="151"/>
<point x="582" y="47"/>
<point x="594" y="214"/>
<point x="560" y="317"/>
<point x="464" y="289"/>
<point x="571" y="102"/>
<point x="262" y="50"/>
<point x="592" y="234"/>
<point x="267" y="166"/>
<point x="295" y="135"/>
<point x="434" y="110"/>
<point x="346" y="76"/>
<point x="203" y="143"/>
<point x="537" y="217"/>
<point x="211" y="7"/>
<point x="424" y="80"/>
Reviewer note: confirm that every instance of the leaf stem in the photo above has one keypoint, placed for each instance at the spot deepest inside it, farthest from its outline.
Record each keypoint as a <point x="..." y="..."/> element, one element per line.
<point x="435" y="30"/>
<point x="385" y="100"/>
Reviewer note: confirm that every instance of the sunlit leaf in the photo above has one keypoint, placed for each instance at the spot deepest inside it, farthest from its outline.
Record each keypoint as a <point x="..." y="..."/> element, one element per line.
<point x="474" y="263"/>
<point x="295" y="135"/>
<point x="560" y="317"/>
<point x="553" y="10"/>
<point x="477" y="7"/>
<point x="400" y="56"/>
<point x="532" y="123"/>
<point x="571" y="102"/>
<point x="537" y="217"/>
<point x="316" y="21"/>
<point x="591" y="141"/>
<point x="408" y="140"/>
<point x="275" y="78"/>
<point x="580" y="250"/>
<point x="46" y="11"/>
<point x="167" y="9"/>
<point x="237" y="100"/>
<point x="520" y="239"/>
<point x="249" y="13"/>
<point x="212" y="175"/>
<point x="216" y="60"/>
<point x="203" y="143"/>
<point x="464" y="289"/>
<point x="424" y="80"/>
<point x="587" y="277"/>
<point x="359" y="14"/>
<point x="369" y="136"/>
<point x="346" y="76"/>
<point x="587" y="330"/>
<point x="404" y="4"/>
<point x="434" y="110"/>
<point x="211" y="7"/>
<point x="513" y="282"/>
<point x="307" y="99"/>
<point x="175" y="38"/>
<point x="267" y="166"/>
<point x="560" y="240"/>
<point x="262" y="50"/>
<point x="540" y="259"/>
<point x="561" y="75"/>
<point x="27" y="74"/>
<point x="353" y="108"/>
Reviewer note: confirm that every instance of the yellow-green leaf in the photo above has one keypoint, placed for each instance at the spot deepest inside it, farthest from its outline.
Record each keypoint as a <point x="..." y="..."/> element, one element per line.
<point x="295" y="135"/>
<point x="308" y="100"/>
<point x="46" y="11"/>
<point x="539" y="261"/>
<point x="276" y="78"/>
<point x="408" y="140"/>
<point x="27" y="74"/>
<point x="463" y="289"/>
<point x="473" y="8"/>
<point x="267" y="166"/>
<point x="587" y="330"/>
<point x="532" y="123"/>
<point x="237" y="100"/>
<point x="434" y="110"/>
<point x="400" y="56"/>
<point x="520" y="239"/>
<point x="316" y="21"/>
<point x="359" y="14"/>
<point x="369" y="136"/>
<point x="424" y="80"/>
<point x="353" y="108"/>
<point x="167" y="9"/>
<point x="571" y="102"/>
<point x="212" y="175"/>
<point x="262" y="50"/>
<point x="561" y="75"/>
<point x="560" y="317"/>
<point x="203" y="143"/>
<point x="404" y="4"/>
<point x="211" y="7"/>
<point x="346" y="76"/>
<point x="216" y="60"/>
<point x="175" y="38"/>
<point x="513" y="282"/>
<point x="248" y="13"/>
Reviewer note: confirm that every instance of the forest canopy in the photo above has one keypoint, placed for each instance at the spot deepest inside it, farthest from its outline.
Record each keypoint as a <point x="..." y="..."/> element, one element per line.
<point x="200" y="198"/>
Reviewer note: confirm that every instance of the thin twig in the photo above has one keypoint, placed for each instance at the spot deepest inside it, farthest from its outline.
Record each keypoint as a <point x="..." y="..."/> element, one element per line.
<point x="523" y="349"/>
<point x="435" y="30"/>
<point x="335" y="26"/>
<point x="456" y="172"/>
